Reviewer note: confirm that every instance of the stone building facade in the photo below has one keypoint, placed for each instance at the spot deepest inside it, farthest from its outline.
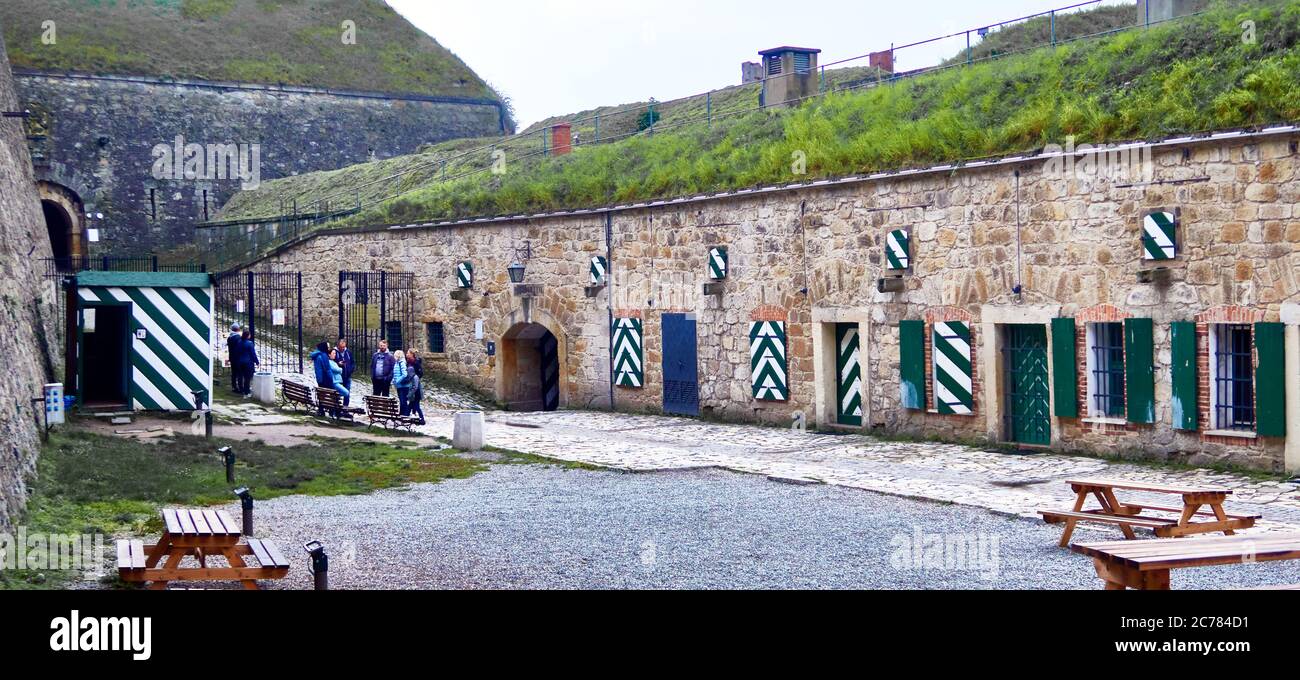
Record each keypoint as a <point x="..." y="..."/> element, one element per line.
<point x="1151" y="308"/>
<point x="93" y="137"/>
<point x="26" y="308"/>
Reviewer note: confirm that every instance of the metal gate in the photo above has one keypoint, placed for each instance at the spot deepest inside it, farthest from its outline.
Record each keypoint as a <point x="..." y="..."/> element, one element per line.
<point x="549" y="349"/>
<point x="1028" y="405"/>
<point x="681" y="365"/>
<point x="270" y="305"/>
<point x="376" y="306"/>
<point x="848" y="367"/>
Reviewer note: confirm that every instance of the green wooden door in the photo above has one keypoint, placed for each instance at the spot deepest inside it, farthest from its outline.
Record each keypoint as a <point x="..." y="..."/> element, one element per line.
<point x="1028" y="404"/>
<point x="848" y="368"/>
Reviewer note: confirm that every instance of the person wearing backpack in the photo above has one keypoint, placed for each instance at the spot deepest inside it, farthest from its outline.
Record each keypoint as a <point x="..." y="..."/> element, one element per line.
<point x="414" y="396"/>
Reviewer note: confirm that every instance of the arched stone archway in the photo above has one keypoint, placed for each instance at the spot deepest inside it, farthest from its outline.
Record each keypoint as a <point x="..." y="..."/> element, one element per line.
<point x="531" y="361"/>
<point x="65" y="223"/>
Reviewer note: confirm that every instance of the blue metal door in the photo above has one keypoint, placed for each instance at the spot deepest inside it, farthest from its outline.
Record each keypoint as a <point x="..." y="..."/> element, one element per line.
<point x="681" y="365"/>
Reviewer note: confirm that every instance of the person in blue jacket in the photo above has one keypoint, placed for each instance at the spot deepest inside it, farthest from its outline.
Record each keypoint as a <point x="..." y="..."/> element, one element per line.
<point x="320" y="363"/>
<point x="402" y="380"/>
<point x="248" y="353"/>
<point x="349" y="366"/>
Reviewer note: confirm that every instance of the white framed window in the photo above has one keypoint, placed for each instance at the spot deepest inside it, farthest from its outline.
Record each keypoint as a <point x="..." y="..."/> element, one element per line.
<point x="1232" y="377"/>
<point x="1105" y="370"/>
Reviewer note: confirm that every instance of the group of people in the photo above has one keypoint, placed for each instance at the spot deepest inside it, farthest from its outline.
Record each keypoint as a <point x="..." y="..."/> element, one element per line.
<point x="243" y="360"/>
<point x="403" y="371"/>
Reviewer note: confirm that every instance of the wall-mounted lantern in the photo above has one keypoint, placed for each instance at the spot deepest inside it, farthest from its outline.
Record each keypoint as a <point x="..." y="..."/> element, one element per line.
<point x="516" y="271"/>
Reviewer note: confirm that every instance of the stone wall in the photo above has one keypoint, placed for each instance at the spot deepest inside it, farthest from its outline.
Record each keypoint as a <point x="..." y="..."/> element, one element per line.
<point x="26" y="307"/>
<point x="96" y="135"/>
<point x="813" y="256"/>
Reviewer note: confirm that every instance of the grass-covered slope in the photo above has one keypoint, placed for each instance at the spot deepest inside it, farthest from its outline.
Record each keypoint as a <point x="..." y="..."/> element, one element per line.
<point x="294" y="42"/>
<point x="1186" y="76"/>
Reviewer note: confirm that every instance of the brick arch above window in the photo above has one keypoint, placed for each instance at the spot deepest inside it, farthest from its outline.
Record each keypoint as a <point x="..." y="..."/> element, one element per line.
<point x="1235" y="314"/>
<point x="948" y="314"/>
<point x="1104" y="313"/>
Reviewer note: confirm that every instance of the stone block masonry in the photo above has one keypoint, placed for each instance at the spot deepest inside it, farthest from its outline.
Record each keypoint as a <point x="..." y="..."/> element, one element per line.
<point x="26" y="308"/>
<point x="97" y="134"/>
<point x="810" y="258"/>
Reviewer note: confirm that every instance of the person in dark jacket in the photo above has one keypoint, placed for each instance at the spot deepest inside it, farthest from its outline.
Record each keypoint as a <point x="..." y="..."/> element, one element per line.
<point x="320" y="364"/>
<point x="414" y="363"/>
<point x="234" y="346"/>
<point x="251" y="362"/>
<point x="349" y="366"/>
<point x="381" y="370"/>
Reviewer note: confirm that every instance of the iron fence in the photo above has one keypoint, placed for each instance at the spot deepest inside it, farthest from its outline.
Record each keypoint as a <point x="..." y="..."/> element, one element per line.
<point x="376" y="306"/>
<point x="268" y="304"/>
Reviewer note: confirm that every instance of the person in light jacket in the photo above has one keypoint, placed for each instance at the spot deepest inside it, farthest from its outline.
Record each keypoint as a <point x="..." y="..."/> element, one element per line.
<point x="402" y="380"/>
<point x="336" y="379"/>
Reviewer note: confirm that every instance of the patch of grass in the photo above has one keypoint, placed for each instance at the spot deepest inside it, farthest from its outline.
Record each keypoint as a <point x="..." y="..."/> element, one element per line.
<point x="1187" y="76"/>
<point x="95" y="484"/>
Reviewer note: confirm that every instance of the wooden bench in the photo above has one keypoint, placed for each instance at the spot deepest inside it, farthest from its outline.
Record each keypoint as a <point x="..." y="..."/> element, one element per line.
<point x="1145" y="565"/>
<point x="296" y="394"/>
<point x="1128" y="516"/>
<point x="267" y="554"/>
<point x="386" y="411"/>
<point x="332" y="402"/>
<point x="131" y="555"/>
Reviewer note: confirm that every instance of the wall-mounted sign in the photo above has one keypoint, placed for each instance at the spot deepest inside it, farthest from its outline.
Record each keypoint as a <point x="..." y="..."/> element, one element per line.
<point x="93" y="235"/>
<point x="239" y="306"/>
<point x="478" y="329"/>
<point x="492" y="349"/>
<point x="277" y="317"/>
<point x="88" y="320"/>
<point x="141" y="334"/>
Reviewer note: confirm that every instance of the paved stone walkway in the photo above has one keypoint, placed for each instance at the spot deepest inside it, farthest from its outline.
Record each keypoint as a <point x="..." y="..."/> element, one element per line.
<point x="1003" y="483"/>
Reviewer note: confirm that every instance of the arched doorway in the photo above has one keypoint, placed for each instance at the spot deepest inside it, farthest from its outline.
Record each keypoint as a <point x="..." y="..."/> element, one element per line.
<point x="59" y="226"/>
<point x="530" y="368"/>
<point x="64" y="212"/>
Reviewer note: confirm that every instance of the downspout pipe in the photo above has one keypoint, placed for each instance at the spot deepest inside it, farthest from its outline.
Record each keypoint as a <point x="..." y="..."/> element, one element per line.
<point x="609" y="302"/>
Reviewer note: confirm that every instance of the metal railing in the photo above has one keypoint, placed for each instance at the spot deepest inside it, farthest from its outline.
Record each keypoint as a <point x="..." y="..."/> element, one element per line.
<point x="56" y="267"/>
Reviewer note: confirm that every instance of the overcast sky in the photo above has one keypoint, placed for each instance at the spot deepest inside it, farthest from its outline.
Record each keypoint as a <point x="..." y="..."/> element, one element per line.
<point x="560" y="56"/>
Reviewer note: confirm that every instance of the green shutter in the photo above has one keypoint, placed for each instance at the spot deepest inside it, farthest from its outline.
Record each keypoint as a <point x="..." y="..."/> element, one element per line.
<point x="911" y="359"/>
<point x="1140" y="370"/>
<point x="1065" y="375"/>
<point x="1183" y="374"/>
<point x="1270" y="380"/>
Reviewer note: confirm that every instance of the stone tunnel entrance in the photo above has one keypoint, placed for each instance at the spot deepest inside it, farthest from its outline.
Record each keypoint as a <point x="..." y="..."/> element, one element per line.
<point x="62" y="209"/>
<point x="530" y="368"/>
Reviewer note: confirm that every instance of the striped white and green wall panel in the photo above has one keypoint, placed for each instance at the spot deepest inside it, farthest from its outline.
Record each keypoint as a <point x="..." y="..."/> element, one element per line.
<point x="465" y="275"/>
<point x="599" y="270"/>
<point x="898" y="250"/>
<point x="718" y="263"/>
<point x="626" y="347"/>
<point x="767" y="361"/>
<point x="953" y="393"/>
<point x="1160" y="236"/>
<point x="174" y="356"/>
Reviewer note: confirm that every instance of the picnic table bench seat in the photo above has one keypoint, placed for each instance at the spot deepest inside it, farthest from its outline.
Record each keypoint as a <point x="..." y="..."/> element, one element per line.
<point x="1146" y="565"/>
<point x="201" y="534"/>
<point x="1128" y="516"/>
<point x="386" y="411"/>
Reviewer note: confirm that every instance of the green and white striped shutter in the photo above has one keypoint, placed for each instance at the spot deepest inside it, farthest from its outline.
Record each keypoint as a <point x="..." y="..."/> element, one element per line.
<point x="465" y="275"/>
<point x="767" y="361"/>
<point x="718" y="263"/>
<point x="849" y="385"/>
<point x="898" y="250"/>
<point x="629" y="369"/>
<point x="599" y="268"/>
<point x="173" y="354"/>
<point x="1159" y="236"/>
<point x="953" y="393"/>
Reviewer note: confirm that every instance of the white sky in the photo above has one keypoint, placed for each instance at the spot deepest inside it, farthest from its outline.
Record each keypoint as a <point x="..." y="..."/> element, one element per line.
<point x="560" y="56"/>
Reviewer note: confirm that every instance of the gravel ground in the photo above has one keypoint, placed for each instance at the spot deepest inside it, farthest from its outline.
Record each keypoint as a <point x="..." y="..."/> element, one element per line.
<point x="541" y="527"/>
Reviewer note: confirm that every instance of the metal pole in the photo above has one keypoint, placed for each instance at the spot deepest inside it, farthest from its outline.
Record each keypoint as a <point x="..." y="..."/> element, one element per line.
<point x="300" y="323"/>
<point x="383" y="304"/>
<point x="968" y="53"/>
<point x="708" y="108"/>
<point x="320" y="564"/>
<point x="598" y="128"/>
<point x="246" y="504"/>
<point x="1053" y="28"/>
<point x="251" y="325"/>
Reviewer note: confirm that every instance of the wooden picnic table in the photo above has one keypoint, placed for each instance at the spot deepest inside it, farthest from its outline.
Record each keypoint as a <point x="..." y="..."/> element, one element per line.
<point x="1130" y="515"/>
<point x="1145" y="565"/>
<point x="203" y="534"/>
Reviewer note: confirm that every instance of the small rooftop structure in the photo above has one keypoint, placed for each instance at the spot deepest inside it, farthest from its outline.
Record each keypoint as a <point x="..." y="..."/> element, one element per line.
<point x="790" y="75"/>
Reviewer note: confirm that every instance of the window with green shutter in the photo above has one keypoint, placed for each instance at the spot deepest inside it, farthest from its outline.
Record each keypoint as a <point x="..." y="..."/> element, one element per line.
<point x="1183" y="375"/>
<point x="1065" y="379"/>
<point x="1140" y="372"/>
<point x="911" y="356"/>
<point x="1270" y="383"/>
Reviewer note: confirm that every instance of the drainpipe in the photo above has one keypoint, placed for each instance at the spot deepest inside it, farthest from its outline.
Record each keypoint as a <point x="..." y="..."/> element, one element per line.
<point x="609" y="303"/>
<point x="1019" y="290"/>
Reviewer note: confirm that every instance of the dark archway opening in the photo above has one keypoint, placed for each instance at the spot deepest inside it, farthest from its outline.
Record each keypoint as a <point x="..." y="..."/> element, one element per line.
<point x="531" y="365"/>
<point x="58" y="223"/>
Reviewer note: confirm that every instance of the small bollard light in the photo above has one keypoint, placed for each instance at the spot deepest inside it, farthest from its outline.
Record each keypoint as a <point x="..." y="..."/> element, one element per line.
<point x="228" y="457"/>
<point x="246" y="501"/>
<point x="320" y="564"/>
